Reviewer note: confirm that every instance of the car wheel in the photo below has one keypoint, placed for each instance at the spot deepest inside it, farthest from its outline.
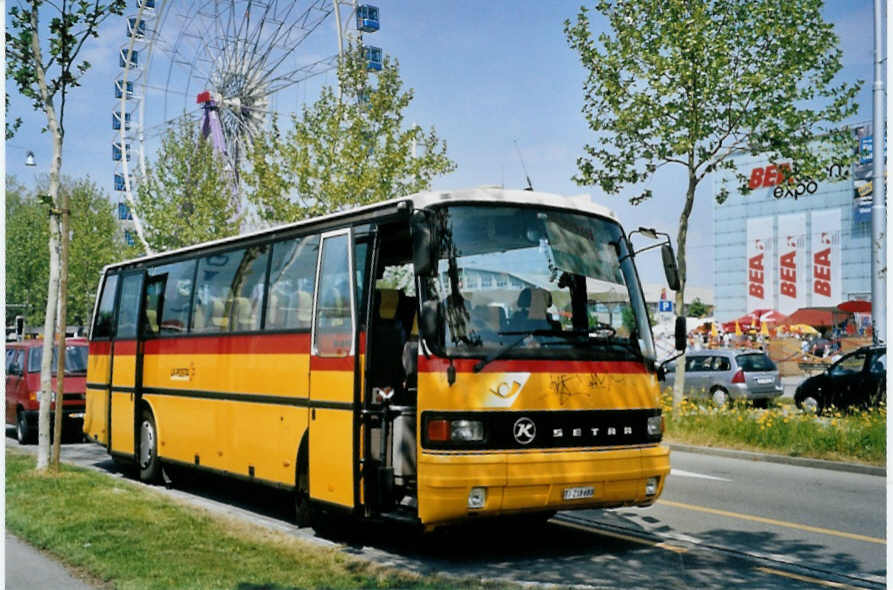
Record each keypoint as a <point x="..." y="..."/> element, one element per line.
<point x="150" y="465"/>
<point x="24" y="432"/>
<point x="720" y="396"/>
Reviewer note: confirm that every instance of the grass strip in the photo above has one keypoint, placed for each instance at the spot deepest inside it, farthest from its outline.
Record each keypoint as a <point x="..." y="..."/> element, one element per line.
<point x="127" y="536"/>
<point x="859" y="436"/>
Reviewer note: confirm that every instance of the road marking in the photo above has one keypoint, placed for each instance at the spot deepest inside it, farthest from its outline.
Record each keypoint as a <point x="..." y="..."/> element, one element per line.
<point x="682" y="473"/>
<point x="800" y="578"/>
<point x="631" y="539"/>
<point x="781" y="523"/>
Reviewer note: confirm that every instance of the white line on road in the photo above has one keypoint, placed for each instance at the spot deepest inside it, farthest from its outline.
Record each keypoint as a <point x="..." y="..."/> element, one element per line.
<point x="682" y="473"/>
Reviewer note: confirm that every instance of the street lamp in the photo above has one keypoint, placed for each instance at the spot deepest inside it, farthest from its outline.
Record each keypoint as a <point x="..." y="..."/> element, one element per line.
<point x="29" y="159"/>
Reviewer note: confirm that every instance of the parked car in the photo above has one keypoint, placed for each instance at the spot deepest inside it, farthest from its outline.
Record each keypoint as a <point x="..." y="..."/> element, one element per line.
<point x="856" y="379"/>
<point x="727" y="374"/>
<point x="23" y="384"/>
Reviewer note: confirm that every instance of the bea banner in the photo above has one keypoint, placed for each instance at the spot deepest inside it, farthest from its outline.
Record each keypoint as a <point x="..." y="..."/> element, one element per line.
<point x="760" y="263"/>
<point x="825" y="261"/>
<point x="791" y="248"/>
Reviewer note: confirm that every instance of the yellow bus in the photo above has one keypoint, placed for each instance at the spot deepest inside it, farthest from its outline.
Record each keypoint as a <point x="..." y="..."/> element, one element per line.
<point x="431" y="358"/>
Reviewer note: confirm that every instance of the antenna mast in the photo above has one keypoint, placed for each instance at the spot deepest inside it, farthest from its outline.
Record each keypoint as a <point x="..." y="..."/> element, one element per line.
<point x="523" y="167"/>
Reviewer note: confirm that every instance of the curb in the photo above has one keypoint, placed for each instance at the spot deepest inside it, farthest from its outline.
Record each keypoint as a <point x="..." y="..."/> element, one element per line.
<point x="783" y="459"/>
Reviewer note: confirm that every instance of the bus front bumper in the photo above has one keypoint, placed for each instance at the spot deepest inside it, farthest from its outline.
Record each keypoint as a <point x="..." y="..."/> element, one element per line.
<point x="517" y="482"/>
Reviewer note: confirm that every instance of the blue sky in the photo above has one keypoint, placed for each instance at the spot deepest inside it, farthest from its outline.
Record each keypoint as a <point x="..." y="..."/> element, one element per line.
<point x="484" y="74"/>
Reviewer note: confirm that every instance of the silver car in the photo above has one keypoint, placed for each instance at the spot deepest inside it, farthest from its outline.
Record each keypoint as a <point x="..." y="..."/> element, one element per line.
<point x="725" y="375"/>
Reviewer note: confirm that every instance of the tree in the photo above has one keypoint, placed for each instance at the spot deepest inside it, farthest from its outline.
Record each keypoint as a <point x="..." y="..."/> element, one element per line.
<point x="691" y="83"/>
<point x="697" y="309"/>
<point x="27" y="258"/>
<point x="187" y="196"/>
<point x="349" y="148"/>
<point x="47" y="83"/>
<point x="96" y="242"/>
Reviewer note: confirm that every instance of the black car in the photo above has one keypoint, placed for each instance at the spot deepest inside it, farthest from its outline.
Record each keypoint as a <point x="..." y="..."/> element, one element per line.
<point x="858" y="379"/>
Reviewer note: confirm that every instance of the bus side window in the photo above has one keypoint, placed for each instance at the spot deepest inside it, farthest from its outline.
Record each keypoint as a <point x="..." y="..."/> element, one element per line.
<point x="177" y="293"/>
<point x="248" y="290"/>
<point x="128" y="307"/>
<point x="334" y="324"/>
<point x="153" y="302"/>
<point x="105" y="315"/>
<point x="292" y="273"/>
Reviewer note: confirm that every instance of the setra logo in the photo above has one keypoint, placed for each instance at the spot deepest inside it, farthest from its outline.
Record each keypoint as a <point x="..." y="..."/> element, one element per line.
<point x="524" y="431"/>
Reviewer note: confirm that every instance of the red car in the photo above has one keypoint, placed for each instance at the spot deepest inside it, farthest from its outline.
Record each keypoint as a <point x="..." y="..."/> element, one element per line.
<point x="23" y="384"/>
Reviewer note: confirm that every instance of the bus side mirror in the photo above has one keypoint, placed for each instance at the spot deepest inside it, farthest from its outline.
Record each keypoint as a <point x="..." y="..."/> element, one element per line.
<point x="670" y="270"/>
<point x="423" y="244"/>
<point x="681" y="333"/>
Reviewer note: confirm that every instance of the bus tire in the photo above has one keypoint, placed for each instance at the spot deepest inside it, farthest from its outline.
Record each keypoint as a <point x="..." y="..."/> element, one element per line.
<point x="149" y="464"/>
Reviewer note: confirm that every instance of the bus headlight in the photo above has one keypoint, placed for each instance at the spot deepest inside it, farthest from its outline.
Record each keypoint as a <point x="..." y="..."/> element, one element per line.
<point x="656" y="425"/>
<point x="460" y="431"/>
<point x="466" y="430"/>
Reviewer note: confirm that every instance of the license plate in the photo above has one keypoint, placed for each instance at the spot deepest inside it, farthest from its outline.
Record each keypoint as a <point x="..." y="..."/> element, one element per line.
<point x="578" y="493"/>
<point x="765" y="380"/>
<point x="79" y="415"/>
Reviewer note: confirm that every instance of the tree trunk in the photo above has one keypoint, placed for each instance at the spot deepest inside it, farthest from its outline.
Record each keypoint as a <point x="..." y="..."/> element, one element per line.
<point x="60" y="345"/>
<point x="49" y="324"/>
<point x="679" y="382"/>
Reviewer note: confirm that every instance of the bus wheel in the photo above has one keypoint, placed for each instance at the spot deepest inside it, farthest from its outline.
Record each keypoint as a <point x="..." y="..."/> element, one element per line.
<point x="150" y="466"/>
<point x="24" y="432"/>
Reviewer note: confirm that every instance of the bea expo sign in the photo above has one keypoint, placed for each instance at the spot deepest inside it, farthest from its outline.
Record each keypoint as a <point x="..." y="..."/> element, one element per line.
<point x="793" y="257"/>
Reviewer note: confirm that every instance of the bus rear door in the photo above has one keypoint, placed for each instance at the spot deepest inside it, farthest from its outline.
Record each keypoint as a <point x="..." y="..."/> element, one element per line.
<point x="332" y="440"/>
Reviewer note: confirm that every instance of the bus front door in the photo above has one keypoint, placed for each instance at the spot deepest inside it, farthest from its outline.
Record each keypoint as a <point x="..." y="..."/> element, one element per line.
<point x="126" y="366"/>
<point x="332" y="440"/>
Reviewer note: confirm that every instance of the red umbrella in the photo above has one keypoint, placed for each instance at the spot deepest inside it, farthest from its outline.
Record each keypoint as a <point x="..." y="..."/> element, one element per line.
<point x="749" y="320"/>
<point x="855" y="306"/>
<point x="772" y="316"/>
<point x="816" y="317"/>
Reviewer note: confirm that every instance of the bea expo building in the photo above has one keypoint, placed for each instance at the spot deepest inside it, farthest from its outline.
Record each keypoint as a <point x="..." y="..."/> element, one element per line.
<point x="787" y="246"/>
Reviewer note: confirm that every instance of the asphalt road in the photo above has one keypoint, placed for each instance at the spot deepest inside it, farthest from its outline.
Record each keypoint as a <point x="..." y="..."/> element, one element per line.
<point x="720" y="523"/>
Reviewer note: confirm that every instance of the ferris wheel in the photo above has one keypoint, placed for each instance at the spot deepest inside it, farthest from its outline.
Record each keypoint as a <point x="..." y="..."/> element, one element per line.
<point x="227" y="64"/>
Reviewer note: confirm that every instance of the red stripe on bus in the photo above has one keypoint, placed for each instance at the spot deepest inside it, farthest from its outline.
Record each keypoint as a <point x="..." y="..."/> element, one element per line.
<point x="232" y="344"/>
<point x="102" y="347"/>
<point x="434" y="364"/>
<point x="125" y="346"/>
<point x="344" y="363"/>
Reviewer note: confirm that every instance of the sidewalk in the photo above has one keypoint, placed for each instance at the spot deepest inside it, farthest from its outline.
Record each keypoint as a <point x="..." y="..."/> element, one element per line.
<point x="29" y="569"/>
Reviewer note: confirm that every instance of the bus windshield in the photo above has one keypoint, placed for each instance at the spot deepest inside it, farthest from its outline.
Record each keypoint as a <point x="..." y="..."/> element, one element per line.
<point x="522" y="282"/>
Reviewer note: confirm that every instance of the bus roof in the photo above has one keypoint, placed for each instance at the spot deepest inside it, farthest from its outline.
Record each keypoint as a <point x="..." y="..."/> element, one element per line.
<point x="420" y="200"/>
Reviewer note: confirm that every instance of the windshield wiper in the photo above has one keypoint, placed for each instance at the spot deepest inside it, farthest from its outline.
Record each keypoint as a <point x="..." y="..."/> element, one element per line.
<point x="495" y="355"/>
<point x="524" y="334"/>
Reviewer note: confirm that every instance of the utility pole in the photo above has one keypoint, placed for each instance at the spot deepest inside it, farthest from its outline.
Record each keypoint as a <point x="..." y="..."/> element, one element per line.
<point x="879" y="193"/>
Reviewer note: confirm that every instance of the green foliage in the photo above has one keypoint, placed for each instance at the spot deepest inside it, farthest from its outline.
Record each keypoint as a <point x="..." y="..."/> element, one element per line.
<point x="188" y="195"/>
<point x="858" y="436"/>
<point x="345" y="150"/>
<point x="96" y="242"/>
<point x="692" y="82"/>
<point x="697" y="309"/>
